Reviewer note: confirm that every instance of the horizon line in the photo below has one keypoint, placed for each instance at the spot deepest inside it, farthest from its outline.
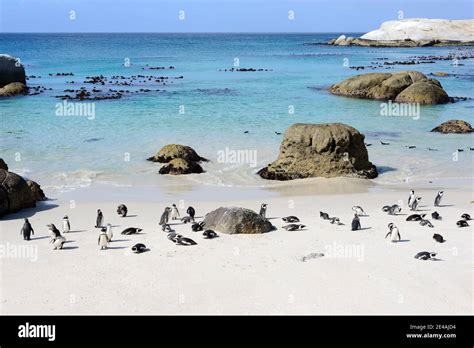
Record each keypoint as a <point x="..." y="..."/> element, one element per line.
<point x="180" y="32"/>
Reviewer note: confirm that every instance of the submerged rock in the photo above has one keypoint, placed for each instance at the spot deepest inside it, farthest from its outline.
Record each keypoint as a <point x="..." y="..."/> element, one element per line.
<point x="403" y="86"/>
<point x="180" y="166"/>
<point x="172" y="151"/>
<point x="235" y="220"/>
<point x="12" y="89"/>
<point x="321" y="150"/>
<point x="454" y="126"/>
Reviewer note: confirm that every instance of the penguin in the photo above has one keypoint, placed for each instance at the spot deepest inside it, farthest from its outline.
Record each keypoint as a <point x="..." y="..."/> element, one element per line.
<point x="358" y="210"/>
<point x="99" y="220"/>
<point x="174" y="212"/>
<point x="425" y="255"/>
<point x="324" y="216"/>
<point x="165" y="216"/>
<point x="66" y="225"/>
<point x="414" y="205"/>
<point x="131" y="230"/>
<point x="186" y="219"/>
<point x="172" y="236"/>
<point x="166" y="228"/>
<point x="355" y="225"/>
<point x="139" y="248"/>
<point x="180" y="240"/>
<point x="103" y="238"/>
<point x="58" y="243"/>
<point x="198" y="226"/>
<point x="411" y="198"/>
<point x="293" y="227"/>
<point x="415" y="217"/>
<point x="209" y="234"/>
<point x="53" y="232"/>
<point x="439" y="238"/>
<point x="424" y="222"/>
<point x="436" y="216"/>
<point x="26" y="230"/>
<point x="109" y="232"/>
<point x="392" y="210"/>
<point x="191" y="212"/>
<point x="438" y="198"/>
<point x="394" y="233"/>
<point x="466" y="216"/>
<point x="386" y="208"/>
<point x="263" y="210"/>
<point x="335" y="220"/>
<point x="291" y="219"/>
<point x="122" y="210"/>
<point x="462" y="223"/>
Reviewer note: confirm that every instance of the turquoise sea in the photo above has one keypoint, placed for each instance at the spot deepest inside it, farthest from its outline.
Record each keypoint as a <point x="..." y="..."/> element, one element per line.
<point x="65" y="152"/>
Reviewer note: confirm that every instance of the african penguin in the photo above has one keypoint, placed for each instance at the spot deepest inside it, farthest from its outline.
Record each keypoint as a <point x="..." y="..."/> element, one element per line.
<point x="436" y="216"/>
<point x="131" y="230"/>
<point x="411" y="198"/>
<point x="293" y="227"/>
<point x="263" y="210"/>
<point x="139" y="248"/>
<point x="358" y="210"/>
<point x="324" y="216"/>
<point x="174" y="212"/>
<point x="466" y="216"/>
<point x="122" y="210"/>
<point x="355" y="225"/>
<point x="291" y="218"/>
<point x="415" y="217"/>
<point x="199" y="226"/>
<point x="99" y="219"/>
<point x="26" y="230"/>
<point x="191" y="212"/>
<point x="414" y="205"/>
<point x="66" y="225"/>
<point x="165" y="216"/>
<point x="425" y="222"/>
<point x="425" y="255"/>
<point x="438" y="198"/>
<point x="439" y="238"/>
<point x="109" y="232"/>
<point x="393" y="232"/>
<point x="103" y="240"/>
<point x="462" y="223"/>
<point x="209" y="234"/>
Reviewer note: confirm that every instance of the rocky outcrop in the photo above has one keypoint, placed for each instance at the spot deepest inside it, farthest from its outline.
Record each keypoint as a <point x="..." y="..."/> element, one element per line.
<point x="321" y="150"/>
<point x="454" y="126"/>
<point x="36" y="190"/>
<point x="172" y="151"/>
<point x="180" y="166"/>
<point x="416" y="32"/>
<point x="3" y="165"/>
<point x="236" y="220"/>
<point x="403" y="87"/>
<point x="11" y="70"/>
<point x="12" y="89"/>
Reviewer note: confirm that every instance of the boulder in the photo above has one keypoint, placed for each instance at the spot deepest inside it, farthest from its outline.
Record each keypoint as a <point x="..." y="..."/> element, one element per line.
<point x="16" y="194"/>
<point x="321" y="150"/>
<point x="403" y="87"/>
<point x="11" y="70"/>
<point x="179" y="166"/>
<point x="12" y="89"/>
<point x="454" y="126"/>
<point x="3" y="165"/>
<point x="236" y="220"/>
<point x="35" y="188"/>
<point x="172" y="151"/>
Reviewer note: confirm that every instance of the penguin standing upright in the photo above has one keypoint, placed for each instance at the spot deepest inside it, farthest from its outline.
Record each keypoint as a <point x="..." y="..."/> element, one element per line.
<point x="110" y="233"/>
<point x="263" y="210"/>
<point x="174" y="212"/>
<point x="414" y="205"/>
<point x="99" y="220"/>
<point x="165" y="216"/>
<point x="53" y="232"/>
<point x="191" y="212"/>
<point x="66" y="225"/>
<point x="438" y="198"/>
<point x="355" y="223"/>
<point x="411" y="198"/>
<point x="393" y="232"/>
<point x="26" y="230"/>
<point x="103" y="238"/>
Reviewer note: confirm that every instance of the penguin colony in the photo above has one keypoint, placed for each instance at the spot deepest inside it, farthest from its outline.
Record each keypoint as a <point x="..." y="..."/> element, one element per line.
<point x="291" y="223"/>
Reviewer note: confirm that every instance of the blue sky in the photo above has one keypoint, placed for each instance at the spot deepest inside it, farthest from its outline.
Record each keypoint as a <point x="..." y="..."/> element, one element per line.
<point x="218" y="16"/>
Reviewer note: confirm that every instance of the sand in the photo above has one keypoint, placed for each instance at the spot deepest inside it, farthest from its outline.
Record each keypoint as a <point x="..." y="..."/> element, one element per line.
<point x="361" y="272"/>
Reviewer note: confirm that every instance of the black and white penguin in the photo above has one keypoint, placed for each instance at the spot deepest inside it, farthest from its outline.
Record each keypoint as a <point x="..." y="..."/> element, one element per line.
<point x="174" y="212"/>
<point x="139" y="248"/>
<point x="99" y="220"/>
<point x="122" y="210"/>
<point x="131" y="230"/>
<point x="335" y="220"/>
<point x="209" y="234"/>
<point x="355" y="225"/>
<point x="462" y="223"/>
<point x="425" y="222"/>
<point x="191" y="212"/>
<point x="324" y="216"/>
<point x="53" y="233"/>
<point x="394" y="233"/>
<point x="293" y="227"/>
<point x="186" y="219"/>
<point x="358" y="210"/>
<point x="291" y="218"/>
<point x="415" y="217"/>
<point x="263" y="210"/>
<point x="180" y="240"/>
<point x="165" y="217"/>
<point x="466" y="216"/>
<point x="392" y="209"/>
<point x="439" y="238"/>
<point x="166" y="228"/>
<point x="109" y="231"/>
<point x="58" y="243"/>
<point x="438" y="198"/>
<point x="435" y="215"/>
<point x="425" y="255"/>
<point x="415" y="203"/>
<point x="66" y="225"/>
<point x="26" y="230"/>
<point x="103" y="239"/>
<point x="198" y="226"/>
<point x="411" y="198"/>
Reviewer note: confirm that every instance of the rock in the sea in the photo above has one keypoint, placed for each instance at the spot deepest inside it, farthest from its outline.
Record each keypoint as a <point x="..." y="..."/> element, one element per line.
<point x="35" y="188"/>
<point x="3" y="165"/>
<point x="12" y="89"/>
<point x="15" y="193"/>
<point x="403" y="86"/>
<point x="454" y="126"/>
<point x="235" y="220"/>
<point x="11" y="70"/>
<point x="321" y="150"/>
<point x="172" y="151"/>
<point x="180" y="166"/>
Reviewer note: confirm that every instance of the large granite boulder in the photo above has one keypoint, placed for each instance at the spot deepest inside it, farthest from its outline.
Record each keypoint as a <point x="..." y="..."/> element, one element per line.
<point x="321" y="150"/>
<point x="3" y="165"/>
<point x="172" y="151"/>
<point x="36" y="190"/>
<point x="454" y="126"/>
<point x="12" y="89"/>
<point x="11" y="70"/>
<point x="180" y="166"/>
<point x="236" y="220"/>
<point x="15" y="193"/>
<point x="403" y="87"/>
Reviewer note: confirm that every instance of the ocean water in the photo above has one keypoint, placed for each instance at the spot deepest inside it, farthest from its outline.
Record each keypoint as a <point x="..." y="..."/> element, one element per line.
<point x="66" y="152"/>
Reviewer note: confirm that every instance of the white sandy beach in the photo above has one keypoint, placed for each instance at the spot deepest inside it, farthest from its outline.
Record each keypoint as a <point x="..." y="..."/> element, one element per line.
<point x="361" y="272"/>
